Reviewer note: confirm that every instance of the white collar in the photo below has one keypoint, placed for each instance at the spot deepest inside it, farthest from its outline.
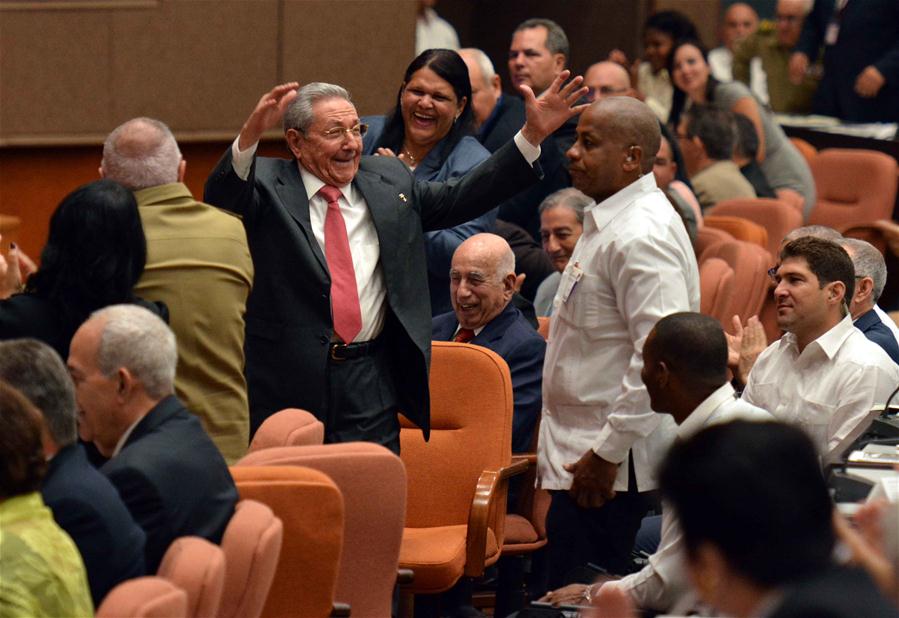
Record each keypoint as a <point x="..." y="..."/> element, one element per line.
<point x="313" y="184"/>
<point x="602" y="214"/>
<point x="700" y="416"/>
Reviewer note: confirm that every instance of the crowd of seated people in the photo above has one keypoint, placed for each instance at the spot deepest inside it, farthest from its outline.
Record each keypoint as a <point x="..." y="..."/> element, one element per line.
<point x="158" y="332"/>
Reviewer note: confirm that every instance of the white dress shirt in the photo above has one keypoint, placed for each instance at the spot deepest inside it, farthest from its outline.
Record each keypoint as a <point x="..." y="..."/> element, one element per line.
<point x="632" y="266"/>
<point x="361" y="232"/>
<point x="434" y="32"/>
<point x="663" y="584"/>
<point x="828" y="389"/>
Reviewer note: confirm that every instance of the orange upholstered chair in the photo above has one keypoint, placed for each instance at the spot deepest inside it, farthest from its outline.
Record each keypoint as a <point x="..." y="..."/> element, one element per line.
<point x="311" y="508"/>
<point x="854" y="187"/>
<point x="198" y="567"/>
<point x="716" y="286"/>
<point x="289" y="427"/>
<point x="750" y="264"/>
<point x="777" y="217"/>
<point x="543" y="326"/>
<point x="807" y="151"/>
<point x="740" y="228"/>
<point x="144" y="597"/>
<point x="373" y="483"/>
<point x="868" y="233"/>
<point x="708" y="236"/>
<point x="252" y="546"/>
<point x="457" y="480"/>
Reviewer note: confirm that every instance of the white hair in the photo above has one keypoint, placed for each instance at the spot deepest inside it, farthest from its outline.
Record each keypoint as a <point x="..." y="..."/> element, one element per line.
<point x="299" y="113"/>
<point x="483" y="62"/>
<point x="141" y="153"/>
<point x="138" y="340"/>
<point x="868" y="262"/>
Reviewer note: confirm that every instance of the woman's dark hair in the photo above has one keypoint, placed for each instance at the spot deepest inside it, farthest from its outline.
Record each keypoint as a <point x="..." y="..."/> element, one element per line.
<point x="449" y="66"/>
<point x="673" y="23"/>
<point x="677" y="155"/>
<point x="95" y="251"/>
<point x="679" y="99"/>
<point x="22" y="461"/>
<point x="755" y="491"/>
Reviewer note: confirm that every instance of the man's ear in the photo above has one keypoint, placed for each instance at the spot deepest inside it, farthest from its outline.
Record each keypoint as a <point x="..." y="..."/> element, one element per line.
<point x="864" y="288"/>
<point x="497" y="85"/>
<point x="294" y="141"/>
<point x="125" y="384"/>
<point x="664" y="374"/>
<point x="182" y="168"/>
<point x="509" y="285"/>
<point x="100" y="171"/>
<point x="559" y="60"/>
<point x="633" y="159"/>
<point x="836" y="292"/>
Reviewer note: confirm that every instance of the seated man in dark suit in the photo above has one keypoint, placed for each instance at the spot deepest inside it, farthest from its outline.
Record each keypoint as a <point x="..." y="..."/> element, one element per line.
<point x="168" y="471"/>
<point x="870" y="278"/>
<point x="482" y="280"/>
<point x="83" y="501"/>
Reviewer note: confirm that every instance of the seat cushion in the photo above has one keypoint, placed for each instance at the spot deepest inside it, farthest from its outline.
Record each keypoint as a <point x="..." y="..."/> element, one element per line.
<point x="519" y="530"/>
<point x="437" y="556"/>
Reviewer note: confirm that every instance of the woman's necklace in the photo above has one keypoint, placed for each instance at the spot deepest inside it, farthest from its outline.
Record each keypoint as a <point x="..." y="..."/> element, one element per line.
<point x="411" y="157"/>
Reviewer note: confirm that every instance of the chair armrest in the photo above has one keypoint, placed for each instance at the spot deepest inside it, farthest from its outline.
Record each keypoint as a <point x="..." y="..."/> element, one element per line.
<point x="340" y="609"/>
<point x="405" y="577"/>
<point x="531" y="458"/>
<point x="485" y="492"/>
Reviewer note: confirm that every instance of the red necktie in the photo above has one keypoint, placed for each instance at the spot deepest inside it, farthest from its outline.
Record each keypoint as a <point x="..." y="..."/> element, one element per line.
<point x="464" y="335"/>
<point x="345" y="311"/>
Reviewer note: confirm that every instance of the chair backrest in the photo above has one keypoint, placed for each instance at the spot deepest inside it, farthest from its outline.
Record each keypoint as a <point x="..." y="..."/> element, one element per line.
<point x="750" y="283"/>
<point x="716" y="283"/>
<point x="373" y="483"/>
<point x="471" y="431"/>
<point x="252" y="546"/>
<point x="543" y="326"/>
<point x="198" y="567"/>
<point x="310" y="506"/>
<point x="708" y="236"/>
<point x="807" y="151"/>
<point x="854" y="187"/>
<point x="740" y="228"/>
<point x="777" y="217"/>
<point x="289" y="427"/>
<point x="144" y="597"/>
<point x="867" y="233"/>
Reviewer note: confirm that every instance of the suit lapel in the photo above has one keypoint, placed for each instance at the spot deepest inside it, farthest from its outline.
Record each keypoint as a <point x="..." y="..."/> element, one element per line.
<point x="496" y="328"/>
<point x="292" y="192"/>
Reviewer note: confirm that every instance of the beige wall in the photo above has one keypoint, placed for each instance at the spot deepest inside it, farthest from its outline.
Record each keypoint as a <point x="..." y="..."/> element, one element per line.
<point x="70" y="74"/>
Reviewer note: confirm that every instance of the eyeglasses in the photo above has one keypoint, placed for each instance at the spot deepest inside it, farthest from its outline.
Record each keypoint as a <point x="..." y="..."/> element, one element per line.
<point x="338" y="133"/>
<point x="772" y="274"/>
<point x="790" y="19"/>
<point x="604" y="91"/>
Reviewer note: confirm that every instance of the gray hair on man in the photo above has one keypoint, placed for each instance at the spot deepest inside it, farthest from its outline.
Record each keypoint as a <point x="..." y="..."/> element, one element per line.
<point x="570" y="198"/>
<point x="141" y="153"/>
<point x="483" y="62"/>
<point x="556" y="39"/>
<point x="37" y="371"/>
<point x="138" y="340"/>
<point x="868" y="262"/>
<point x="818" y="231"/>
<point x="299" y="113"/>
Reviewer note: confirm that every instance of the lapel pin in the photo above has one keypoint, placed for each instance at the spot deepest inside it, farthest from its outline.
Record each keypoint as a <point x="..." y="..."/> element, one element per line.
<point x="403" y="196"/>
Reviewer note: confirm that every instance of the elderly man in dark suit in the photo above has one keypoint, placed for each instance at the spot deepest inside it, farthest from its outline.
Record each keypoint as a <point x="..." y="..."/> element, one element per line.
<point x="83" y="501"/>
<point x="482" y="280"/>
<point x="338" y="321"/>
<point x="166" y="468"/>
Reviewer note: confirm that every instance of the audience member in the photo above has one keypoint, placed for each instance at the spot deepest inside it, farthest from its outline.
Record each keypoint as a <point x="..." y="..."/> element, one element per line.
<point x="607" y="79"/>
<point x="763" y="58"/>
<point x="94" y="255"/>
<point x="870" y="277"/>
<point x="706" y="136"/>
<point x="430" y="130"/>
<point x="199" y="265"/>
<point x="351" y="348"/>
<point x="632" y="265"/>
<point x="498" y="117"/>
<point x="666" y="170"/>
<point x="861" y="71"/>
<point x="685" y="374"/>
<point x="764" y="544"/>
<point x="43" y="576"/>
<point x="431" y="30"/>
<point x="83" y="501"/>
<point x="482" y="280"/>
<point x="823" y="375"/>
<point x="561" y="225"/>
<point x="740" y="21"/>
<point x="168" y="472"/>
<point x="746" y="150"/>
<point x="787" y="172"/>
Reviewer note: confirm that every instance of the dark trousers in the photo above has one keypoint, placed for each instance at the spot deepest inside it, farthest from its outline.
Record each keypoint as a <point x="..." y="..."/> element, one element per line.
<point x="602" y="536"/>
<point x="362" y="402"/>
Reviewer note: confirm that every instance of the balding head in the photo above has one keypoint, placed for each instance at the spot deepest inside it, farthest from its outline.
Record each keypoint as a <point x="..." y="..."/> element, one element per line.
<point x="142" y="153"/>
<point x="482" y="279"/>
<point x="740" y="20"/>
<point x="607" y="79"/>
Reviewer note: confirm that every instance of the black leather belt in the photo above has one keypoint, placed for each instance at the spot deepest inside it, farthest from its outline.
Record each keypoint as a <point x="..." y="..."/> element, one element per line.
<point x="340" y="352"/>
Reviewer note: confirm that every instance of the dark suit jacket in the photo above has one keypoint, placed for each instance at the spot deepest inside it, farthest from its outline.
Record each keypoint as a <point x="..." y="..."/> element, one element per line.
<point x="878" y="332"/>
<point x="89" y="509"/>
<point x="173" y="479"/>
<point x="289" y="310"/>
<point x="505" y="121"/>
<point x="839" y="592"/>
<point x="523" y="349"/>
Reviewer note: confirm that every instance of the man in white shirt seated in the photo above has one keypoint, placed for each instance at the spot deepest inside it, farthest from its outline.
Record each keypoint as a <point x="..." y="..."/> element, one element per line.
<point x="685" y="373"/>
<point x="823" y="374"/>
<point x="740" y="20"/>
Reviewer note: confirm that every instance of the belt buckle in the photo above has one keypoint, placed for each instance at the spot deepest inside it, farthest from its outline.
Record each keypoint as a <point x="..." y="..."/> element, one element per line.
<point x="335" y="347"/>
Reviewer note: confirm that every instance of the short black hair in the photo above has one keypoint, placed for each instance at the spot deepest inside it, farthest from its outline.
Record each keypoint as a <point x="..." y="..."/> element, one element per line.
<point x="693" y="346"/>
<point x="755" y="491"/>
<point x="747" y="137"/>
<point x="673" y="23"/>
<point x="22" y="461"/>
<point x="715" y="127"/>
<point x="826" y="259"/>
